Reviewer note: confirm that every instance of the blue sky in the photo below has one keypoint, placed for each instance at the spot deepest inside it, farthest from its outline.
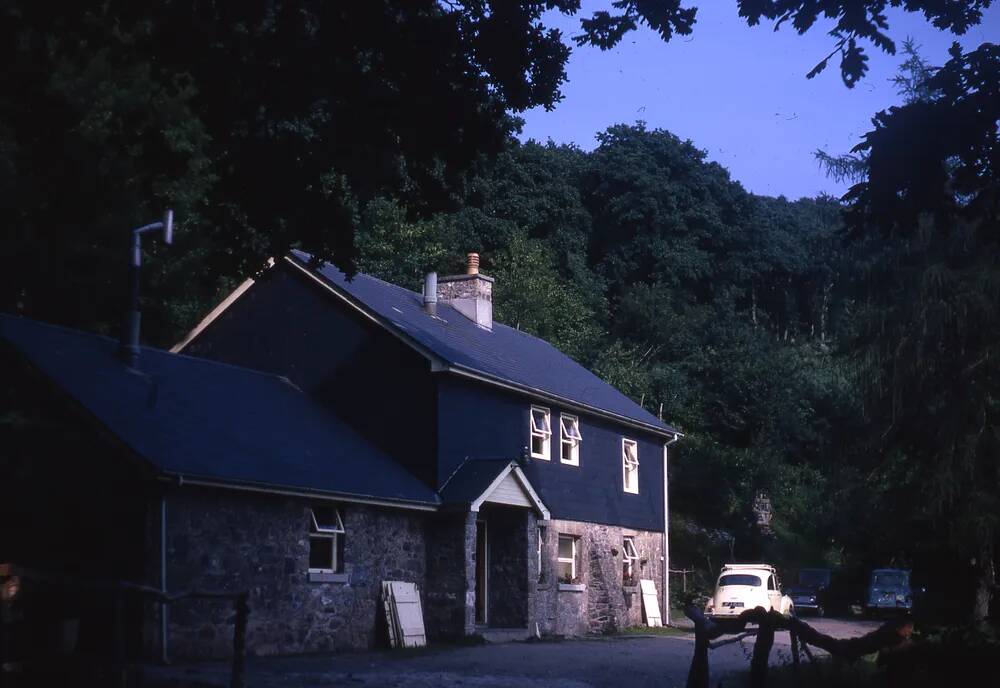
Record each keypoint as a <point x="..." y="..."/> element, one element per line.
<point x="740" y="93"/>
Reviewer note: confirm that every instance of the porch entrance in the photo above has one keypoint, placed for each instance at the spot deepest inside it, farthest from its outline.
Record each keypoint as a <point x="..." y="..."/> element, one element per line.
<point x="482" y="572"/>
<point x="502" y="567"/>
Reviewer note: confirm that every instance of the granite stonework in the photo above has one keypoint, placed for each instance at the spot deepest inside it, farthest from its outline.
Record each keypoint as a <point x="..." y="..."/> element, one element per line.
<point x="227" y="540"/>
<point x="451" y="546"/>
<point x="231" y="540"/>
<point x="598" y="601"/>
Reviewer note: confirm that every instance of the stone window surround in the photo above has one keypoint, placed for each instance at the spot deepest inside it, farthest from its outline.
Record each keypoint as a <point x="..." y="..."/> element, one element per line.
<point x="629" y="559"/>
<point x="333" y="532"/>
<point x="577" y="568"/>
<point x="545" y="436"/>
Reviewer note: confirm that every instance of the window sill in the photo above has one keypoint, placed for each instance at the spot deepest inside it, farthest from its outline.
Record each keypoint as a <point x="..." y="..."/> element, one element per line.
<point x="328" y="577"/>
<point x="570" y="463"/>
<point x="543" y="586"/>
<point x="631" y="589"/>
<point x="540" y="458"/>
<point x="572" y="587"/>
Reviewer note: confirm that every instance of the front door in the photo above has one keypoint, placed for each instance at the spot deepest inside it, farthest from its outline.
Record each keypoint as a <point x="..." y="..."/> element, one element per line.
<point x="482" y="565"/>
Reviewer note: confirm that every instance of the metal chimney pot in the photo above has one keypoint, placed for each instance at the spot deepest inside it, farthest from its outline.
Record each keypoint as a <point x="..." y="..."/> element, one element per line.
<point x="431" y="292"/>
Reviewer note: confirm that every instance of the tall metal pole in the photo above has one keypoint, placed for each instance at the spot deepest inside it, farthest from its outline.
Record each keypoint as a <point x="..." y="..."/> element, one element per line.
<point x="129" y="348"/>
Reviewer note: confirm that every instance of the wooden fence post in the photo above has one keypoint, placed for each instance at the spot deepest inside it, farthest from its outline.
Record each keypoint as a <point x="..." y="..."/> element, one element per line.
<point x="240" y="642"/>
<point x="761" y="652"/>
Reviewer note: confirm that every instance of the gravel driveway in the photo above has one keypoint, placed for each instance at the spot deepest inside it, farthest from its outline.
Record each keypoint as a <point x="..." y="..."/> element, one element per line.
<point x="660" y="661"/>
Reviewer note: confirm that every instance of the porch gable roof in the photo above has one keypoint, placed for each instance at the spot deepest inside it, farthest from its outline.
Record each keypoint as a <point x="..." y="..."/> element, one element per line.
<point x="478" y="481"/>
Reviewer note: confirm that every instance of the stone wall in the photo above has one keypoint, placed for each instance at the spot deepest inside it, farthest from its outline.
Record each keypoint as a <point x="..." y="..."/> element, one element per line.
<point x="451" y="546"/>
<point x="226" y="540"/>
<point x="598" y="602"/>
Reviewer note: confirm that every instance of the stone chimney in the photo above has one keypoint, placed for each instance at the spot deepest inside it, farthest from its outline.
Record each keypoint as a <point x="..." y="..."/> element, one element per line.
<point x="470" y="294"/>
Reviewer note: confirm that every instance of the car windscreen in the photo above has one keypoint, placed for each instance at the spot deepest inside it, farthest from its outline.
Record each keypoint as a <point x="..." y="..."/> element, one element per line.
<point x="739" y="579"/>
<point x="814" y="577"/>
<point x="890" y="578"/>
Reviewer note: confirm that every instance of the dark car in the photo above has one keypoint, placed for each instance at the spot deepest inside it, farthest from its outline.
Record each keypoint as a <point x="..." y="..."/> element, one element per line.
<point x="810" y="592"/>
<point x="890" y="590"/>
<point x="816" y="592"/>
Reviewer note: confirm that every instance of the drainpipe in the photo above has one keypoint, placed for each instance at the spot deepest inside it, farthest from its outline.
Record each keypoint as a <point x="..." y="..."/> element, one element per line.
<point x="666" y="539"/>
<point x="164" y="607"/>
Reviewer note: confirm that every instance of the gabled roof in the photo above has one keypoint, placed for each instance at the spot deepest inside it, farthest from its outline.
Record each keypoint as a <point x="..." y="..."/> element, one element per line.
<point x="503" y="355"/>
<point x="212" y="422"/>
<point x="475" y="481"/>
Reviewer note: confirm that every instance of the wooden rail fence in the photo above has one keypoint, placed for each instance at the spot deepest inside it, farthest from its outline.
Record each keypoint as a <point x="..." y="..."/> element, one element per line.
<point x="889" y="636"/>
<point x="119" y="589"/>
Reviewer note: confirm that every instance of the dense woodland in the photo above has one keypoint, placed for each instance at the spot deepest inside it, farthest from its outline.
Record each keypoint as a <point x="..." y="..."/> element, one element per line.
<point x="839" y="355"/>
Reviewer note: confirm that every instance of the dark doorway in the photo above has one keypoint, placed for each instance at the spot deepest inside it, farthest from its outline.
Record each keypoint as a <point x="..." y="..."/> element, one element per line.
<point x="482" y="565"/>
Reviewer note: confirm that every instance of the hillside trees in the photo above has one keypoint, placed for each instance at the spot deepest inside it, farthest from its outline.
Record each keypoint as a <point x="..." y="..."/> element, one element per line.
<point x="268" y="123"/>
<point x="264" y="123"/>
<point x="926" y="220"/>
<point x="715" y="307"/>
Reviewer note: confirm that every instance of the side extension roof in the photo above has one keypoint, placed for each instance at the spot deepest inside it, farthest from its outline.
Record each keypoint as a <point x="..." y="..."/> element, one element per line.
<point x="211" y="422"/>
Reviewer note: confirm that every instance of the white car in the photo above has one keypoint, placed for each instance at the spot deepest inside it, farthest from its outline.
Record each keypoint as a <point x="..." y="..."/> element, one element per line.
<point x="745" y="586"/>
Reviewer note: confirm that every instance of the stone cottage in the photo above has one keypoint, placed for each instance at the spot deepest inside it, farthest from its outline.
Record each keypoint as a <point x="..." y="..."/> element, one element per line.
<point x="315" y="435"/>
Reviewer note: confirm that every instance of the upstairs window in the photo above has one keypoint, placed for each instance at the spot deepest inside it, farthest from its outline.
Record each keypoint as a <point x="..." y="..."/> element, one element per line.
<point x="630" y="466"/>
<point x="541" y="433"/>
<point x="569" y="550"/>
<point x="570" y="439"/>
<point x="630" y="557"/>
<point x="326" y="540"/>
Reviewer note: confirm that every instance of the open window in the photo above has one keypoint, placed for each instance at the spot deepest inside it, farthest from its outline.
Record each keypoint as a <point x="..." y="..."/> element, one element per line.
<point x="569" y="439"/>
<point x="326" y="540"/>
<point x="630" y="466"/>
<point x="541" y="432"/>
<point x="630" y="560"/>
<point x="569" y="552"/>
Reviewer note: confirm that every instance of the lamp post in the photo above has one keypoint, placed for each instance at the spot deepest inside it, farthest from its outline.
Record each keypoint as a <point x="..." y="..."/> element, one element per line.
<point x="129" y="349"/>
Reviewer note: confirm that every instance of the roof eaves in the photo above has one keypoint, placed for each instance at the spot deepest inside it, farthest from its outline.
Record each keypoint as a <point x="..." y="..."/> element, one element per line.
<point x="271" y="488"/>
<point x="665" y="431"/>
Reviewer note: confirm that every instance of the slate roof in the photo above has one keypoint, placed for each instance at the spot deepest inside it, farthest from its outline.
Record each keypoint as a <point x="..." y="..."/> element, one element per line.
<point x="504" y="354"/>
<point x="207" y="420"/>
<point x="471" y="479"/>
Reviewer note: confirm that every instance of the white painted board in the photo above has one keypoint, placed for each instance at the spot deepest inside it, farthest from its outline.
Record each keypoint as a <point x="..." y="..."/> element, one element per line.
<point x="409" y="615"/>
<point x="650" y="604"/>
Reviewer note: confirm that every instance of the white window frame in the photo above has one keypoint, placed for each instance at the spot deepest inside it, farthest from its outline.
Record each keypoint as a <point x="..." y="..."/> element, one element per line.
<point x="630" y="466"/>
<point x="541" y="536"/>
<point x="630" y="556"/>
<point x="332" y="532"/>
<point x="568" y="560"/>
<point x="544" y="434"/>
<point x="569" y="437"/>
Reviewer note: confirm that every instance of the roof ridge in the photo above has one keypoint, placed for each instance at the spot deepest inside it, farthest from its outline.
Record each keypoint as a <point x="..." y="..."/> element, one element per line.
<point x="453" y="473"/>
<point x="366" y="275"/>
